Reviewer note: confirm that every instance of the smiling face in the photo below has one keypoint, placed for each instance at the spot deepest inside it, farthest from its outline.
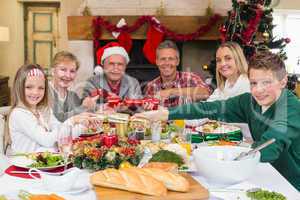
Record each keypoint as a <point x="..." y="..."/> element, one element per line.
<point x="34" y="90"/>
<point x="265" y="87"/>
<point x="64" y="74"/>
<point x="114" y="67"/>
<point x="167" y="61"/>
<point x="226" y="65"/>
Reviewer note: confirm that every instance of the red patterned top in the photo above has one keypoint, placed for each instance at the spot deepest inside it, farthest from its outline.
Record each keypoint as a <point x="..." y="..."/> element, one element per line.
<point x="182" y="80"/>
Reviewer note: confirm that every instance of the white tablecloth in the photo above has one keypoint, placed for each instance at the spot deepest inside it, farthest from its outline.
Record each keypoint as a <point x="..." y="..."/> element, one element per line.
<point x="265" y="177"/>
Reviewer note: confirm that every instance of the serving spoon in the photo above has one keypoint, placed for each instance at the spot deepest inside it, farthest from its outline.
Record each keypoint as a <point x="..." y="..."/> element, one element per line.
<point x="253" y="151"/>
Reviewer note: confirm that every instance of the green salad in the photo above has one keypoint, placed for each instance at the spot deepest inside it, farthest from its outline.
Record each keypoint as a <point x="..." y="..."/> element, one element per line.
<point x="167" y="156"/>
<point x="46" y="159"/>
<point x="265" y="195"/>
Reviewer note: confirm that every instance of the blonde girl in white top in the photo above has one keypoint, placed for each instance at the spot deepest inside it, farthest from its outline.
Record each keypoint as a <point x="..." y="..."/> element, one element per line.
<point x="231" y="72"/>
<point x="32" y="125"/>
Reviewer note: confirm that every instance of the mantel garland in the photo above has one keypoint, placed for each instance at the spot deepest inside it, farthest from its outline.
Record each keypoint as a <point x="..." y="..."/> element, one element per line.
<point x="100" y="22"/>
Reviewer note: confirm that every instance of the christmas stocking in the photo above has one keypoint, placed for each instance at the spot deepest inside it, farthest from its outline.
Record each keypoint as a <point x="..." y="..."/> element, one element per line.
<point x="154" y="38"/>
<point x="124" y="38"/>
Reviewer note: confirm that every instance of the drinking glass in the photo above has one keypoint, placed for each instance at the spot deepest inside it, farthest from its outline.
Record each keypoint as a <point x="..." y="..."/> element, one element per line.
<point x="155" y="131"/>
<point x="64" y="142"/>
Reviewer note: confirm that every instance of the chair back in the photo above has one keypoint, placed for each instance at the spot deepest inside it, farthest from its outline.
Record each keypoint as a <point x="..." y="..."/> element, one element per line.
<point x="4" y="111"/>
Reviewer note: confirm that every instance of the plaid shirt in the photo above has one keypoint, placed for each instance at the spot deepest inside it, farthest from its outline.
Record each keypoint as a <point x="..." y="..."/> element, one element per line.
<point x="182" y="80"/>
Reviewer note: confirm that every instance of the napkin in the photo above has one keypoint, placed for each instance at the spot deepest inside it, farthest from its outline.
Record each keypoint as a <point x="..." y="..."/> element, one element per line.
<point x="72" y="181"/>
<point x="10" y="171"/>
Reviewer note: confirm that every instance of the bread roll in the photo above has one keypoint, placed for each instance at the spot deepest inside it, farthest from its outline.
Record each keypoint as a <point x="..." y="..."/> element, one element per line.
<point x="128" y="180"/>
<point x="172" y="181"/>
<point x="166" y="166"/>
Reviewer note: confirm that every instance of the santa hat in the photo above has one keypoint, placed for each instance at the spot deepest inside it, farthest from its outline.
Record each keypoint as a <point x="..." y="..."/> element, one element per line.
<point x="109" y="49"/>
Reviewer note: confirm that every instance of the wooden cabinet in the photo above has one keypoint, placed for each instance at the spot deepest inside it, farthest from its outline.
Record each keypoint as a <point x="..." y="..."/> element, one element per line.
<point x="4" y="91"/>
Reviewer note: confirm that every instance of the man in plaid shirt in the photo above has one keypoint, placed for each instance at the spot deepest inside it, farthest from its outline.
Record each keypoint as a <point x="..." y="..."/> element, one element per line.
<point x="173" y="87"/>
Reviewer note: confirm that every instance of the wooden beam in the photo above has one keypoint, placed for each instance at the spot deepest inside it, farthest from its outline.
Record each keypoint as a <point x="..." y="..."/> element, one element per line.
<point x="80" y="27"/>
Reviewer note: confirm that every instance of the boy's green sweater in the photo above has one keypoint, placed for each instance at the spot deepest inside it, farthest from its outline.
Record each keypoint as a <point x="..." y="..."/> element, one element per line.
<point x="280" y="121"/>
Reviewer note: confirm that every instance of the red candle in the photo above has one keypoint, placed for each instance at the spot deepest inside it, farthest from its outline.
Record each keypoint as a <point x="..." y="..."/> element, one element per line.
<point x="110" y="140"/>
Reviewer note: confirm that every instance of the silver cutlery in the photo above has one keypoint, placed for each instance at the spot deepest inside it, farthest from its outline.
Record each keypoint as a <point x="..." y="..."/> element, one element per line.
<point x="253" y="151"/>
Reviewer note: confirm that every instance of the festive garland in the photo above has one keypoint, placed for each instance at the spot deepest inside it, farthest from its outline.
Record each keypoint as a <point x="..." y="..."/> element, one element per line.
<point x="99" y="22"/>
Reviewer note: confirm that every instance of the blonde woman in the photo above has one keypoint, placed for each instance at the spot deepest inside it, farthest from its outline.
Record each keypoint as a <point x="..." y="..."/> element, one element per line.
<point x="231" y="72"/>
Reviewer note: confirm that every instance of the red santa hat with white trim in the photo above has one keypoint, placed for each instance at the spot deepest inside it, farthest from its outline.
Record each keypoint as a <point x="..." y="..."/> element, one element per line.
<point x="109" y="49"/>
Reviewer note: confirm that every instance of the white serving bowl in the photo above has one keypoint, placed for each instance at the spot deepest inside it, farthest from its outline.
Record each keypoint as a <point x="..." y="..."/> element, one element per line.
<point x="216" y="165"/>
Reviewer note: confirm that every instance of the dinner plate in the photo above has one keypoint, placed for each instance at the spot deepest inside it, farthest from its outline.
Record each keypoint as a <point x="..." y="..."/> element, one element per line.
<point x="215" y="143"/>
<point x="24" y="162"/>
<point x="223" y="129"/>
<point x="87" y="134"/>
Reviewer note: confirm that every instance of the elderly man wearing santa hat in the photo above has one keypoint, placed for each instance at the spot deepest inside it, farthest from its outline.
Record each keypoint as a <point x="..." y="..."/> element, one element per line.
<point x="113" y="81"/>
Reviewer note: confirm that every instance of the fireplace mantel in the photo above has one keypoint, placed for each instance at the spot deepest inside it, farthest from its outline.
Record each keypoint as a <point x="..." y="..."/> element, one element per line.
<point x="80" y="27"/>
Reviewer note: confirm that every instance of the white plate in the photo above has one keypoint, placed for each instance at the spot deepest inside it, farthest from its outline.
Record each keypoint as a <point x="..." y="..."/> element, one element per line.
<point x="86" y="134"/>
<point x="24" y="162"/>
<point x="13" y="194"/>
<point x="211" y="143"/>
<point x="224" y="128"/>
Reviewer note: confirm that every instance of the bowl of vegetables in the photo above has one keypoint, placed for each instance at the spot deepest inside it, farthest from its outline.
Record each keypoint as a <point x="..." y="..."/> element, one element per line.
<point x="216" y="164"/>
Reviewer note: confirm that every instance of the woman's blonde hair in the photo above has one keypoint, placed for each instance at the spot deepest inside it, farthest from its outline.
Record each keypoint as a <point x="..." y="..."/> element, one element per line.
<point x="239" y="59"/>
<point x="65" y="56"/>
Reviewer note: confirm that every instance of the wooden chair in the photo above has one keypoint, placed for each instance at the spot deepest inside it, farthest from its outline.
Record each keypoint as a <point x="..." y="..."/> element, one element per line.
<point x="4" y="111"/>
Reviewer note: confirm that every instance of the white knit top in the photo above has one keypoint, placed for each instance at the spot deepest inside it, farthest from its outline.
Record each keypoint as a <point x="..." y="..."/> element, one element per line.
<point x="28" y="134"/>
<point x="242" y="85"/>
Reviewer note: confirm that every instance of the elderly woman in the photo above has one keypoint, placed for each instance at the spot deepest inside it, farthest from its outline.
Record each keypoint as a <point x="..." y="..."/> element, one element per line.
<point x="65" y="103"/>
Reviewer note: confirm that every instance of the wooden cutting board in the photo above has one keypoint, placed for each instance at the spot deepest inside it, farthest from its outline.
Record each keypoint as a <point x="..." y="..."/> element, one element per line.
<point x="196" y="192"/>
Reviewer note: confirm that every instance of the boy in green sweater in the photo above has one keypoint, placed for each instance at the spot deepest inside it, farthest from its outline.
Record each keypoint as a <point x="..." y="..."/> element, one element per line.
<point x="270" y="110"/>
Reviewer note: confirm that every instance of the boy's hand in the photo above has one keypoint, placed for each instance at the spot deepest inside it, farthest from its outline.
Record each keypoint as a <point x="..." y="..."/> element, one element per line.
<point x="154" y="115"/>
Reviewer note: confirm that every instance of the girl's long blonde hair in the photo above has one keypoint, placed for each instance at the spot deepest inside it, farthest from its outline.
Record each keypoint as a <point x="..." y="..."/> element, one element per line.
<point x="18" y="94"/>
<point x="239" y="59"/>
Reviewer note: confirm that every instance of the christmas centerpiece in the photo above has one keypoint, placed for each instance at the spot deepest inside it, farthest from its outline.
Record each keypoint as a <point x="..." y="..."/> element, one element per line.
<point x="106" y="151"/>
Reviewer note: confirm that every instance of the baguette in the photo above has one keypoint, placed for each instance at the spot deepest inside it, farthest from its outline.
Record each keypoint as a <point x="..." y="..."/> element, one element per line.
<point x="166" y="166"/>
<point x="128" y="180"/>
<point x="172" y="181"/>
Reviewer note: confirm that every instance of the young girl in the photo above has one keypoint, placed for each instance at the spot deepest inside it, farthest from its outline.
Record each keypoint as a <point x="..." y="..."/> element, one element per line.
<point x="65" y="103"/>
<point x="231" y="72"/>
<point x="32" y="125"/>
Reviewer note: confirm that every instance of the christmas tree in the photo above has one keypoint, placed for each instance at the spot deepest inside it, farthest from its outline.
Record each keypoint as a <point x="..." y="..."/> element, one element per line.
<point x="249" y="23"/>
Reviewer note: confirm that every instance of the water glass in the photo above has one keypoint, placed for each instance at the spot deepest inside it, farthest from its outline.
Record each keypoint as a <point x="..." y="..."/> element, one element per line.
<point x="155" y="131"/>
<point x="65" y="141"/>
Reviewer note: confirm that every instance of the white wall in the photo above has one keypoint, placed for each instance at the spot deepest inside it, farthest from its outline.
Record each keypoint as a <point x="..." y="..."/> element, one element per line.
<point x="12" y="52"/>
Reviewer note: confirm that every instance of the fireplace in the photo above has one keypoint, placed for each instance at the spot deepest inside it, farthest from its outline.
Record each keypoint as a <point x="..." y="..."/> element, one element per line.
<point x="139" y="67"/>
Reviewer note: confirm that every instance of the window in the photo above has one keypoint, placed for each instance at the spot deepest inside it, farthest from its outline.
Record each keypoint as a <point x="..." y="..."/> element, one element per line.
<point x="287" y="26"/>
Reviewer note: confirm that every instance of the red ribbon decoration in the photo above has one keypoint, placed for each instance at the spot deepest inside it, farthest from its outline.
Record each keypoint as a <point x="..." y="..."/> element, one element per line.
<point x="99" y="22"/>
<point x="252" y="26"/>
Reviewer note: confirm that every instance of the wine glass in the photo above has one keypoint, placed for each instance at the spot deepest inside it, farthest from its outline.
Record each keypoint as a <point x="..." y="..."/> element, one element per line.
<point x="64" y="142"/>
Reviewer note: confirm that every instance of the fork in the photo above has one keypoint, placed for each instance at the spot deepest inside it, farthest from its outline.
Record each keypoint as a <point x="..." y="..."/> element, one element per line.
<point x="253" y="151"/>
